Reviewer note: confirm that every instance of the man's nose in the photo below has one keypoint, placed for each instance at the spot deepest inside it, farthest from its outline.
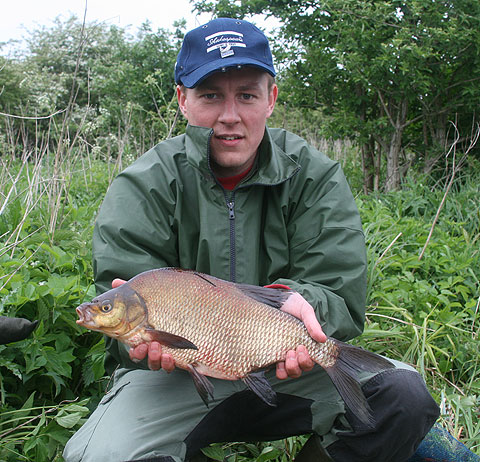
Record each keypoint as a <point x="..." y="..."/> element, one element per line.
<point x="229" y="113"/>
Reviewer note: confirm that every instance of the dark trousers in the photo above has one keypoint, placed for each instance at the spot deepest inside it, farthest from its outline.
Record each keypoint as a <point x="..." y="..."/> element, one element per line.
<point x="402" y="408"/>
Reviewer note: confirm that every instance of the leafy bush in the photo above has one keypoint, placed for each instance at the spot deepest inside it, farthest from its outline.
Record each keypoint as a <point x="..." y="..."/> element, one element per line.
<point x="116" y="88"/>
<point x="39" y="431"/>
<point x="45" y="276"/>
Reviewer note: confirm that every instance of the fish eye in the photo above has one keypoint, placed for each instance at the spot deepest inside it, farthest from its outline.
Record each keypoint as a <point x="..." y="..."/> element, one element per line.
<point x="106" y="307"/>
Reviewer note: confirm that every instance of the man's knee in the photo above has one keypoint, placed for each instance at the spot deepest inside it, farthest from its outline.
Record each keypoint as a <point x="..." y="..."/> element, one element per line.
<point x="403" y="412"/>
<point x="400" y="395"/>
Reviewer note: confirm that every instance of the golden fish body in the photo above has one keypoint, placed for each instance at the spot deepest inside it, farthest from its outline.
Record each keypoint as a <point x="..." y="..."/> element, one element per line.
<point x="234" y="333"/>
<point x="220" y="329"/>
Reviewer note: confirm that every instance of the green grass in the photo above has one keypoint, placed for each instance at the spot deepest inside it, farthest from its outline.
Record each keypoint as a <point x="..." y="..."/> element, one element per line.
<point x="425" y="311"/>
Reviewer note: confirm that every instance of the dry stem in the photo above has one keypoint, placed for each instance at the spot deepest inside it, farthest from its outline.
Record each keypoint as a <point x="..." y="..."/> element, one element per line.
<point x="455" y="168"/>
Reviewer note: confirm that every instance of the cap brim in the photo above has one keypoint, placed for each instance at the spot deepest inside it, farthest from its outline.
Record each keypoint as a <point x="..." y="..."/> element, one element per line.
<point x="198" y="75"/>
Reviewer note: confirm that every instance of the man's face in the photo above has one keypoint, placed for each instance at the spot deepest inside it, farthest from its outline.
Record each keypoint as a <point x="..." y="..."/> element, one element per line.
<point x="236" y="104"/>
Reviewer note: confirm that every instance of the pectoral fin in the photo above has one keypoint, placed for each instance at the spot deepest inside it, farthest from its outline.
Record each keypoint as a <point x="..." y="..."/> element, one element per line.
<point x="258" y="383"/>
<point x="202" y="384"/>
<point x="170" y="340"/>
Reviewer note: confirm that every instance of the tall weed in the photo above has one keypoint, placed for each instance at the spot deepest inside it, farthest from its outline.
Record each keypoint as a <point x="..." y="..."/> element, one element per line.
<point x="44" y="274"/>
<point x="425" y="311"/>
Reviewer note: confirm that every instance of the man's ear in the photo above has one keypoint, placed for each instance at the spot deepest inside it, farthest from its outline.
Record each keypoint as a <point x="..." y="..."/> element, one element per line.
<point x="272" y="98"/>
<point x="181" y="98"/>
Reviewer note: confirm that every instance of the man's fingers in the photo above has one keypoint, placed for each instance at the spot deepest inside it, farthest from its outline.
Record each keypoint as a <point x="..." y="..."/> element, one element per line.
<point x="297" y="306"/>
<point x="154" y="356"/>
<point x="156" y="359"/>
<point x="281" y="372"/>
<point x="291" y="365"/>
<point x="304" y="361"/>
<point x="295" y="363"/>
<point x="138" y="353"/>
<point x="313" y="326"/>
<point x="168" y="363"/>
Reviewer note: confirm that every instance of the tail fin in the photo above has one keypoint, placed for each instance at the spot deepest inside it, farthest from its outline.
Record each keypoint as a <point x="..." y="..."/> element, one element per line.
<point x="350" y="361"/>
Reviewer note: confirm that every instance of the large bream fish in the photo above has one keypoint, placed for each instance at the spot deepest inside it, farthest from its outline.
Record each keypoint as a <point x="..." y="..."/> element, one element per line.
<point x="220" y="329"/>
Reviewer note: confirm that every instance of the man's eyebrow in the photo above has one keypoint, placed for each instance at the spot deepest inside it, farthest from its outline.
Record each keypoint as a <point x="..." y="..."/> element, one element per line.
<point x="253" y="85"/>
<point x="204" y="87"/>
<point x="250" y="86"/>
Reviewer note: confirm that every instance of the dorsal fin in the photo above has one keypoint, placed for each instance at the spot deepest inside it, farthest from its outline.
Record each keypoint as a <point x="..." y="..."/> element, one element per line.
<point x="204" y="277"/>
<point x="272" y="297"/>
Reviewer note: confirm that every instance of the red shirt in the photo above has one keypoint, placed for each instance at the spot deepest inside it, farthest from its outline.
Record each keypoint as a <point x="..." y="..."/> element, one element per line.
<point x="230" y="182"/>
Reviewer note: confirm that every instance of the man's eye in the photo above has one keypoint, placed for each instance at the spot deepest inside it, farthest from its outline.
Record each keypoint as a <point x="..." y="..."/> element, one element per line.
<point x="247" y="96"/>
<point x="209" y="95"/>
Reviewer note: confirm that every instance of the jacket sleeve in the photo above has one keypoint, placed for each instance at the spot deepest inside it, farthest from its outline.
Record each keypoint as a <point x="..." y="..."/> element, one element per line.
<point x="327" y="261"/>
<point x="133" y="234"/>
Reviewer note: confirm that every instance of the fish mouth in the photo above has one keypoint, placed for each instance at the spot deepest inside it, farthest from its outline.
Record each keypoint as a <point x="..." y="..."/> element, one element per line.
<point x="84" y="317"/>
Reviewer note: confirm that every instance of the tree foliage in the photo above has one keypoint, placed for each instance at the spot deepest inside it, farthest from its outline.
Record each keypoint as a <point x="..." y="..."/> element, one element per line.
<point x="110" y="85"/>
<point x="393" y="74"/>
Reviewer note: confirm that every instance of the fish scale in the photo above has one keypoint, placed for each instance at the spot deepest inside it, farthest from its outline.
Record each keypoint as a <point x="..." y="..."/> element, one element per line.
<point x="249" y="347"/>
<point x="220" y="329"/>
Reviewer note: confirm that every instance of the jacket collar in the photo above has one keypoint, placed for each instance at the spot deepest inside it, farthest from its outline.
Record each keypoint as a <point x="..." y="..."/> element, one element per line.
<point x="273" y="165"/>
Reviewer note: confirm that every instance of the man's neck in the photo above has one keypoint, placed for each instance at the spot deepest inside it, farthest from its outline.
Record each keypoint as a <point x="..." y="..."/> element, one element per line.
<point x="230" y="182"/>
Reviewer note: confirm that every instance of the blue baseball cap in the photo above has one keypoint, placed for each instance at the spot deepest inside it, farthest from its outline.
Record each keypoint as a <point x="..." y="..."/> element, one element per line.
<point x="221" y="44"/>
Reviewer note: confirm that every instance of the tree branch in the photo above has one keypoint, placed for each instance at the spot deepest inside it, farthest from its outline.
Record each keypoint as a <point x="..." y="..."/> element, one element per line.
<point x="455" y="169"/>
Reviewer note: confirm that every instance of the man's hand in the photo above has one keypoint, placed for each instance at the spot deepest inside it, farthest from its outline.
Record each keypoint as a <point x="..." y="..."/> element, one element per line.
<point x="156" y="359"/>
<point x="298" y="361"/>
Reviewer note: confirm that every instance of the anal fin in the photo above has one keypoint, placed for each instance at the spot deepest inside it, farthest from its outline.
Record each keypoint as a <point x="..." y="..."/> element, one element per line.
<point x="258" y="383"/>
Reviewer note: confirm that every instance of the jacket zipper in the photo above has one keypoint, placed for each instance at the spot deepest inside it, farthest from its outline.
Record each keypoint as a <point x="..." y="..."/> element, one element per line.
<point x="230" y="201"/>
<point x="231" y="216"/>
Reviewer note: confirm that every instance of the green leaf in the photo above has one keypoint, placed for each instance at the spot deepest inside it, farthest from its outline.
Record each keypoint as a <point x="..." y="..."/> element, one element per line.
<point x="34" y="359"/>
<point x="40" y="423"/>
<point x="59" y="361"/>
<point x="268" y="453"/>
<point x="11" y="366"/>
<point x="69" y="420"/>
<point x="71" y="414"/>
<point x="215" y="452"/>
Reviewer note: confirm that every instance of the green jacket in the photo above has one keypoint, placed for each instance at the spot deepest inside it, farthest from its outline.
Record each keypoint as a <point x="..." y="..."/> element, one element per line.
<point x="292" y="220"/>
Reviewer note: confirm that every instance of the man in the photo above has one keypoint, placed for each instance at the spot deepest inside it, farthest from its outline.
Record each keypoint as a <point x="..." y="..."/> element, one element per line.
<point x="236" y="200"/>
